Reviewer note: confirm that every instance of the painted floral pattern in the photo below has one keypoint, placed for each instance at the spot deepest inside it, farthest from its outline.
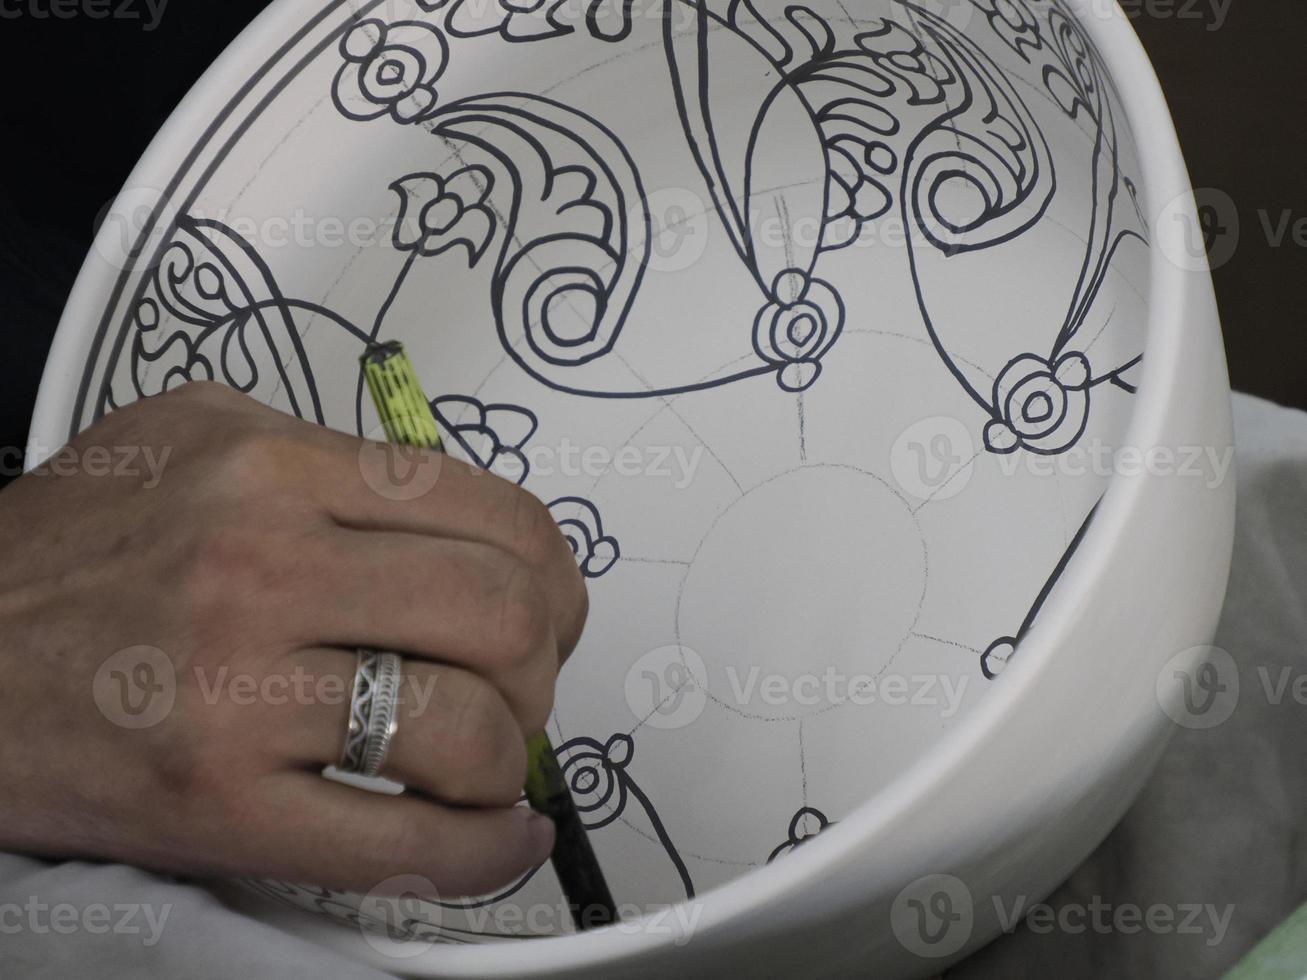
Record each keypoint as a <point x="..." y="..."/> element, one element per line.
<point x="390" y="69"/>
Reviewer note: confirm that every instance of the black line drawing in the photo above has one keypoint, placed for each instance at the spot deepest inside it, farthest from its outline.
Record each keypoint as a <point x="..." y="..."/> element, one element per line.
<point x="492" y="437"/>
<point x="901" y="112"/>
<point x="390" y="919"/>
<point x="390" y="68"/>
<point x="441" y="213"/>
<point x="221" y="304"/>
<point x="806" y="824"/>
<point x="581" y="524"/>
<point x="1000" y="652"/>
<point x="606" y="20"/>
<point x="599" y="777"/>
<point x="905" y="111"/>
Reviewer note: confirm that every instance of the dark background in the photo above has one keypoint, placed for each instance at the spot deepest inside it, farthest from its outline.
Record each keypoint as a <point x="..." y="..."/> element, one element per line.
<point x="82" y="98"/>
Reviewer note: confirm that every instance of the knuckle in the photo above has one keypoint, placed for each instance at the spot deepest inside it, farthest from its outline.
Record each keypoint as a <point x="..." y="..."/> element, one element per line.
<point x="204" y="391"/>
<point x="533" y="529"/>
<point x="255" y="461"/>
<point x="523" y="624"/>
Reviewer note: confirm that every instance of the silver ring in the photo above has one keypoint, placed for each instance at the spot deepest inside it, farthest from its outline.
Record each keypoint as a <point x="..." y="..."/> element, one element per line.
<point x="373" y="713"/>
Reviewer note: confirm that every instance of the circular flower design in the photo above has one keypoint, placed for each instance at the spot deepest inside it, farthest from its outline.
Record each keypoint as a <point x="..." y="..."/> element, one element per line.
<point x="1040" y="405"/>
<point x="390" y="69"/>
<point x="595" y="776"/>
<point x="798" y="327"/>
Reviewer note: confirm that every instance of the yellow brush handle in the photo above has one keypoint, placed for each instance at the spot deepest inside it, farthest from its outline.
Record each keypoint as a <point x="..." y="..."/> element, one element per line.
<point x="397" y="393"/>
<point x="407" y="418"/>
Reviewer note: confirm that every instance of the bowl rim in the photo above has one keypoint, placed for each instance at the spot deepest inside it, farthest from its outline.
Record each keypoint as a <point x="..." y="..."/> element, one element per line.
<point x="1163" y="178"/>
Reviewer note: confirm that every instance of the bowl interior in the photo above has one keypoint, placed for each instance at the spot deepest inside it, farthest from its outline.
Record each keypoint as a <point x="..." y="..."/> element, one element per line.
<point x="816" y="329"/>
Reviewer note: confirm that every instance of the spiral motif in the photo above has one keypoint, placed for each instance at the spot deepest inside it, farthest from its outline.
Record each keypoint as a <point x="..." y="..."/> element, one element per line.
<point x="1040" y="405"/>
<point x="560" y="293"/>
<point x="390" y="69"/>
<point x="797" y="327"/>
<point x="595" y="777"/>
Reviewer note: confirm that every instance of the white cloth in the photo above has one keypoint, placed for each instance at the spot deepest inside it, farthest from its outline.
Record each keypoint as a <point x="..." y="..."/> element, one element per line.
<point x="1219" y="828"/>
<point x="1222" y="821"/>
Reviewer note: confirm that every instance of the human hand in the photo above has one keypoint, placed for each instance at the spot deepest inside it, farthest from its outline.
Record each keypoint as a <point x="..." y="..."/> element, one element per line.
<point x="178" y="658"/>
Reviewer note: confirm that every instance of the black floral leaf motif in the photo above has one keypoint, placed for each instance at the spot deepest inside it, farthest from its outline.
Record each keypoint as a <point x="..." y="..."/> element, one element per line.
<point x="580" y="523"/>
<point x="899" y="111"/>
<point x="850" y="95"/>
<point x="801" y="316"/>
<point x="530" y="20"/>
<point x="899" y="53"/>
<point x="1014" y="22"/>
<point x="438" y="213"/>
<point x="576" y="241"/>
<point x="806" y="824"/>
<point x="390" y="69"/>
<point x="211" y="310"/>
<point x="1040" y="404"/>
<point x="519" y="21"/>
<point x="1073" y="78"/>
<point x="859" y="166"/>
<point x="492" y="436"/>
<point x="796" y="36"/>
<point x="986" y="142"/>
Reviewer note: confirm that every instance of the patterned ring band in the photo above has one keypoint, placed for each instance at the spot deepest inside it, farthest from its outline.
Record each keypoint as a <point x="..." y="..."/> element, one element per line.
<point x="373" y="713"/>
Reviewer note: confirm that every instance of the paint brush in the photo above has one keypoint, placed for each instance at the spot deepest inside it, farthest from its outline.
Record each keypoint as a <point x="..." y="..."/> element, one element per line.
<point x="408" y="420"/>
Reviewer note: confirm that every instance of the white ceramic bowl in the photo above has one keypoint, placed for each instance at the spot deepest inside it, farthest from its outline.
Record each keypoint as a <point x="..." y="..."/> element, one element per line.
<point x="818" y="329"/>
